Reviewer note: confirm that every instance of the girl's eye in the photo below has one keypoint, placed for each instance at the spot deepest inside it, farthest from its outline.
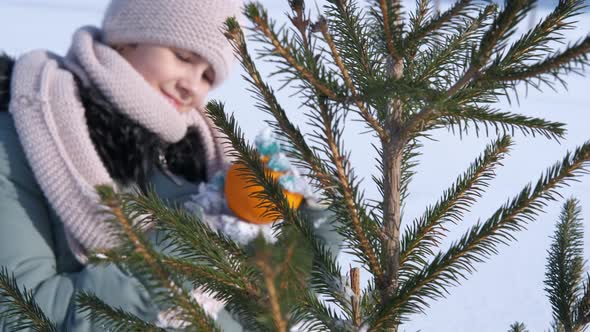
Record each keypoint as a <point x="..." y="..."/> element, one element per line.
<point x="209" y="78"/>
<point x="182" y="57"/>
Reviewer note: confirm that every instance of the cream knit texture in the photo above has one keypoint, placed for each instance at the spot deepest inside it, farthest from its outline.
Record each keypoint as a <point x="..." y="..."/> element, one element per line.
<point x="50" y="121"/>
<point x="194" y="25"/>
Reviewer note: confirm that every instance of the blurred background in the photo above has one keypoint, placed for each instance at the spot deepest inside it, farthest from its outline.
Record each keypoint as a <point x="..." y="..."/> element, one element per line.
<point x="506" y="288"/>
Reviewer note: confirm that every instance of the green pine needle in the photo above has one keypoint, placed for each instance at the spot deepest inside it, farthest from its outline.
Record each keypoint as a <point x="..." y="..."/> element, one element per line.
<point x="419" y="35"/>
<point x="191" y="242"/>
<point x="460" y="119"/>
<point x="142" y="260"/>
<point x="19" y="308"/>
<point x="109" y="318"/>
<point x="582" y="307"/>
<point x="565" y="265"/>
<point x="317" y="316"/>
<point x="353" y="41"/>
<point x="425" y="234"/>
<point x="518" y="327"/>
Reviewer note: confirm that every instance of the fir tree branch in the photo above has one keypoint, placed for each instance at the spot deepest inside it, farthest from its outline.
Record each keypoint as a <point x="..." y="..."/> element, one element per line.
<point x="189" y="237"/>
<point x="259" y="18"/>
<point x="517" y="327"/>
<point x="330" y="139"/>
<point x="218" y="262"/>
<point x="426" y="232"/>
<point x="269" y="276"/>
<point x="316" y="315"/>
<point x="457" y="10"/>
<point x="341" y="177"/>
<point x="203" y="275"/>
<point x="109" y="198"/>
<point x="514" y="65"/>
<point x="345" y="187"/>
<point x="268" y="103"/>
<point x="505" y="121"/>
<point x="565" y="264"/>
<point x="494" y="39"/>
<point x="19" y="308"/>
<point x="582" y="307"/>
<point x="109" y="318"/>
<point x="409" y="162"/>
<point x="143" y="257"/>
<point x="353" y="39"/>
<point x="370" y="301"/>
<point x="434" y="25"/>
<point x="210" y="277"/>
<point x="392" y="31"/>
<point x="388" y="88"/>
<point x="314" y="163"/>
<point x="241" y="296"/>
<point x="454" y="52"/>
<point x="563" y="62"/>
<point x="300" y="21"/>
<point x="533" y="45"/>
<point x="453" y="114"/>
<point x="418" y="17"/>
<point x="533" y="49"/>
<point x="324" y="265"/>
<point x="416" y="22"/>
<point x="365" y="114"/>
<point x="359" y="55"/>
<point x="480" y="241"/>
<point x="355" y="297"/>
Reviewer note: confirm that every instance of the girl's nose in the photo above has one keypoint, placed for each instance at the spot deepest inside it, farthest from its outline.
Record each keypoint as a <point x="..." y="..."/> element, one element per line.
<point x="193" y="88"/>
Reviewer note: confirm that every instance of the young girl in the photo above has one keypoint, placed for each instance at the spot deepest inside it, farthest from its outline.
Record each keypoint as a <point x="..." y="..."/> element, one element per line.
<point x="123" y="107"/>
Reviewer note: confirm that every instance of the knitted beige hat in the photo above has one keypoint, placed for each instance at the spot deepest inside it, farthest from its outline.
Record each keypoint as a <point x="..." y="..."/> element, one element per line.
<point x="194" y="25"/>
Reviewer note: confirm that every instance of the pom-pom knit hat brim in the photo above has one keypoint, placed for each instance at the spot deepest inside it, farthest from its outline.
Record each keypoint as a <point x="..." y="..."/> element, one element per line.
<point x="194" y="25"/>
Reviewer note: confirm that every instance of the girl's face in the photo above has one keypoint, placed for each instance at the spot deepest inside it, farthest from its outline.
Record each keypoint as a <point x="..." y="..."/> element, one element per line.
<point x="183" y="77"/>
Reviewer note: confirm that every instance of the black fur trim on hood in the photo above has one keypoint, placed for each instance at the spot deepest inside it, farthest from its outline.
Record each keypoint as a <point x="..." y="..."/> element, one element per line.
<point x="130" y="152"/>
<point x="127" y="150"/>
<point x="6" y="65"/>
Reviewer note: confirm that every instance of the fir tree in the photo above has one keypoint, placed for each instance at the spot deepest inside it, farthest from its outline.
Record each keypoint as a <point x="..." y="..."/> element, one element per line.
<point x="404" y="74"/>
<point x="518" y="327"/>
<point x="567" y="289"/>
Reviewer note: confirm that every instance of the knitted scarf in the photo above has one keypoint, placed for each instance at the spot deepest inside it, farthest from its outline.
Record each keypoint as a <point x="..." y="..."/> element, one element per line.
<point x="51" y="124"/>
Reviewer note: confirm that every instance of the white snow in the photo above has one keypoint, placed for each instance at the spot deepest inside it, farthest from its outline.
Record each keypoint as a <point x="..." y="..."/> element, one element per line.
<point x="266" y="142"/>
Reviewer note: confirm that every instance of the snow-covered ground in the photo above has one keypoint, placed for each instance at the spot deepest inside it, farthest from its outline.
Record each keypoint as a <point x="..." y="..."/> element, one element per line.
<point x="507" y="288"/>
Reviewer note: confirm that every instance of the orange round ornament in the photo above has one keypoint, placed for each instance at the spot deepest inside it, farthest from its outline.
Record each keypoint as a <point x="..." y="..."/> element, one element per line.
<point x="238" y="193"/>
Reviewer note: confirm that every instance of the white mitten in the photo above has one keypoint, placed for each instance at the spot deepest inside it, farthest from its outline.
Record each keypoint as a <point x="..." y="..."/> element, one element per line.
<point x="210" y="203"/>
<point x="211" y="306"/>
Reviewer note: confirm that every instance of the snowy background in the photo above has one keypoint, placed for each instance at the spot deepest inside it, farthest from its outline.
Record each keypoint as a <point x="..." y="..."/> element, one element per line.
<point x="509" y="286"/>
